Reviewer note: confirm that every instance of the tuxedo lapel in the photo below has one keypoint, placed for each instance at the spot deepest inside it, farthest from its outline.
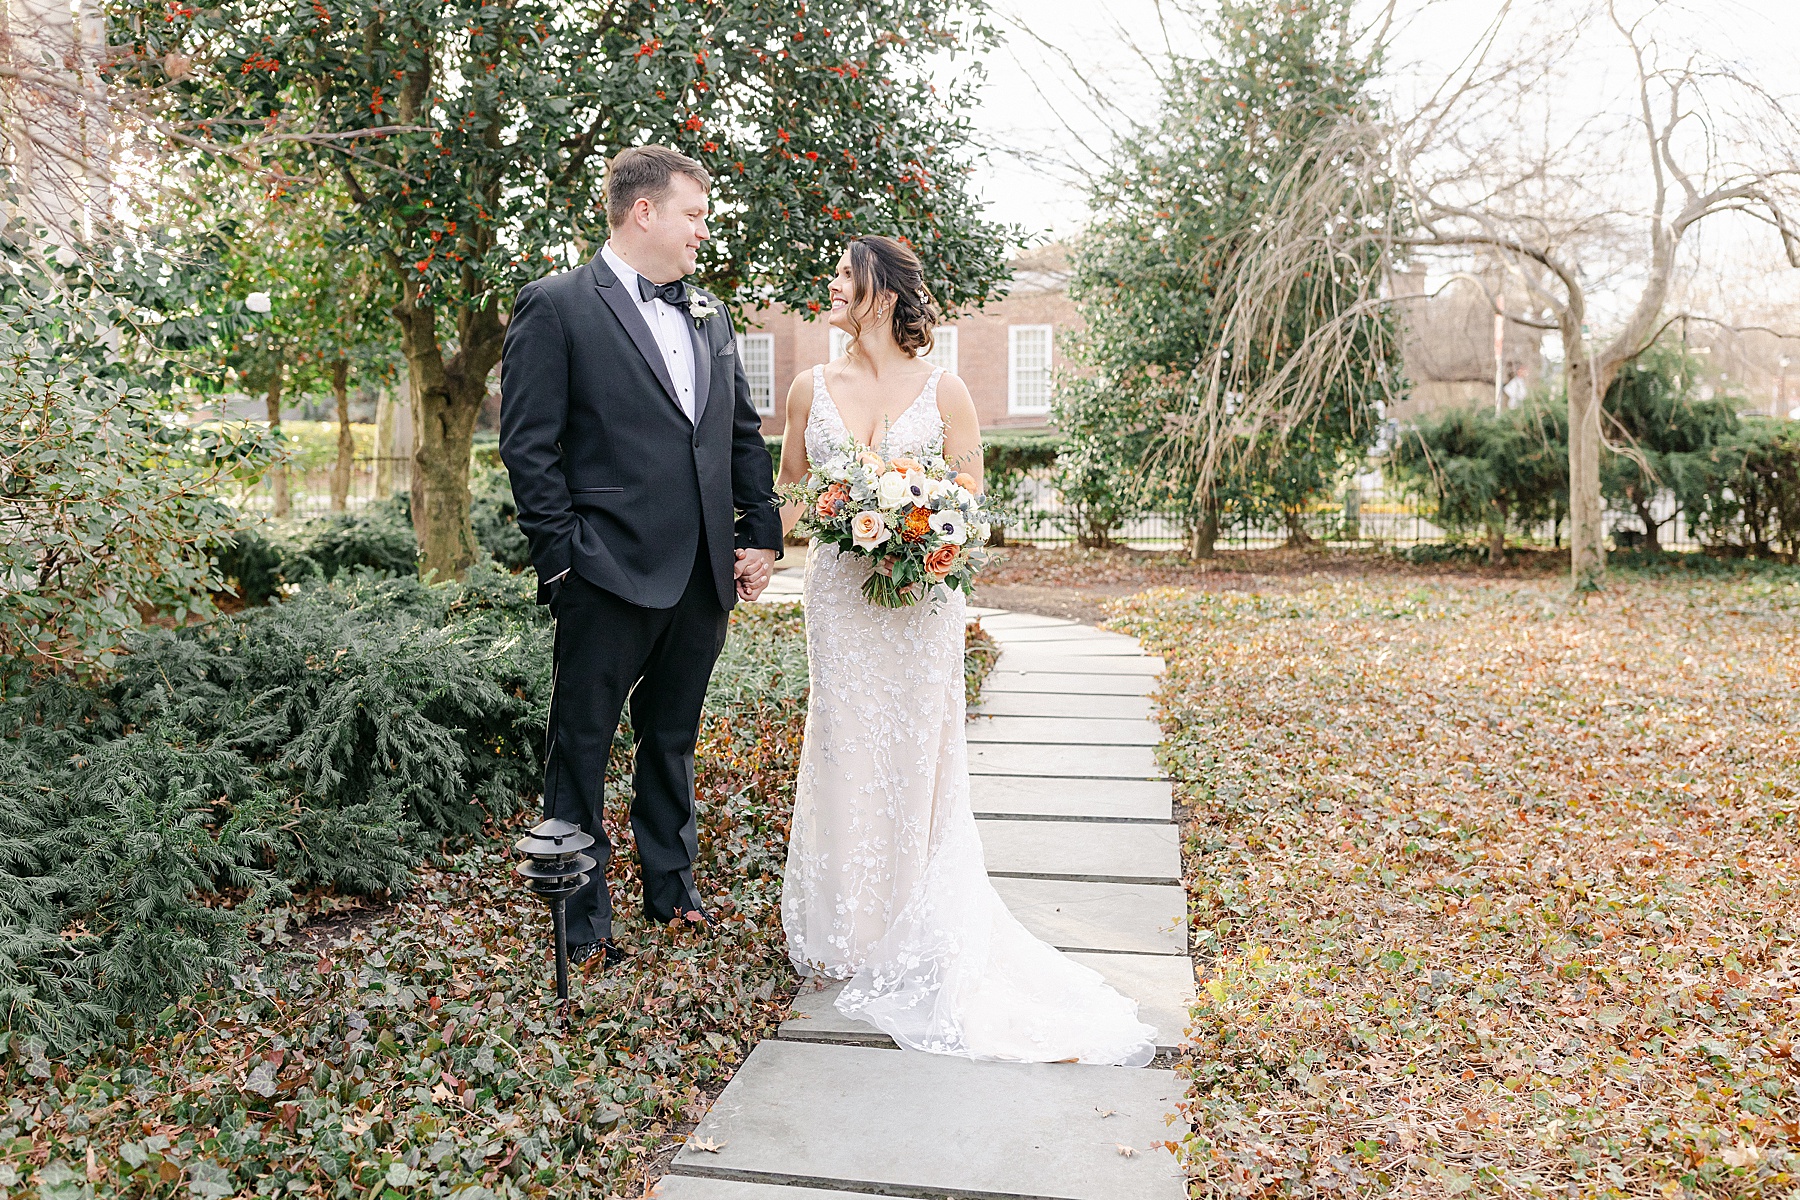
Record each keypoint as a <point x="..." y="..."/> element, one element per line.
<point x="703" y="367"/>
<point x="625" y="308"/>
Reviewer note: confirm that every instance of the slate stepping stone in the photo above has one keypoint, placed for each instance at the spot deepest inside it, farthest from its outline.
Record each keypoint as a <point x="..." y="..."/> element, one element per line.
<point x="698" y="1187"/>
<point x="1035" y="634"/>
<point x="1041" y="658"/>
<point x="1071" y="799"/>
<point x="1019" y="620"/>
<point x="1073" y="762"/>
<point x="1051" y="704"/>
<point x="1162" y="984"/>
<point x="1073" y="731"/>
<point x="883" y="1122"/>
<point x="1120" y="918"/>
<point x="1009" y="678"/>
<point x="1077" y="640"/>
<point x="1100" y="852"/>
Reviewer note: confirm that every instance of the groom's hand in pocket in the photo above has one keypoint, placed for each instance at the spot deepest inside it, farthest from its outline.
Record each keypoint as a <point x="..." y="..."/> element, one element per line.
<point x="753" y="571"/>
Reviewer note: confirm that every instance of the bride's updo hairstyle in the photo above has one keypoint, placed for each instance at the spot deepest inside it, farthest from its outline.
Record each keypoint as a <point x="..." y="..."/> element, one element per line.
<point x="881" y="264"/>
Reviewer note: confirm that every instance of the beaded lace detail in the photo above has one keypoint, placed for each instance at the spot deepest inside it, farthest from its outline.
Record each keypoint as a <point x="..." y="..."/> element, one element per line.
<point x="886" y="886"/>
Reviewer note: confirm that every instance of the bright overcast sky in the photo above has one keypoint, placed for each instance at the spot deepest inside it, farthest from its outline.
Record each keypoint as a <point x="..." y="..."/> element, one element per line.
<point x="1031" y="111"/>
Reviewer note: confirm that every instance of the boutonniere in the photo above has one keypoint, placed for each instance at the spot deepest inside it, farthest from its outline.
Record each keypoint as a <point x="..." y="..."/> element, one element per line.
<point x="701" y="310"/>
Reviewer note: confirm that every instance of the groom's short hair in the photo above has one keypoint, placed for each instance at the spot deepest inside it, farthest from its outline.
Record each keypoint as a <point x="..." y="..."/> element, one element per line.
<point x="645" y="172"/>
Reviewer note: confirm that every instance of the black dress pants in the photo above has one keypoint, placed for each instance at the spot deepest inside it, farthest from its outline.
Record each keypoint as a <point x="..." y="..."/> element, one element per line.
<point x="660" y="659"/>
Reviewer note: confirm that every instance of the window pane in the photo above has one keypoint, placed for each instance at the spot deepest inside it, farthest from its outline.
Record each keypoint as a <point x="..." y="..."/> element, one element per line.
<point x="943" y="348"/>
<point x="758" y="351"/>
<point x="1028" y="374"/>
<point x="840" y="343"/>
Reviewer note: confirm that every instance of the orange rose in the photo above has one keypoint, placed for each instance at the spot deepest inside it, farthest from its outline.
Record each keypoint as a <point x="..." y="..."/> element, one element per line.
<point x="916" y="525"/>
<point x="939" y="561"/>
<point x="832" y="500"/>
<point x="965" y="481"/>
<point x="907" y="464"/>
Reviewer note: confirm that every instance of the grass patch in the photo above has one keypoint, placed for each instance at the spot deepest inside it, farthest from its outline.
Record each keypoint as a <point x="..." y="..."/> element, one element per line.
<point x="1493" y="893"/>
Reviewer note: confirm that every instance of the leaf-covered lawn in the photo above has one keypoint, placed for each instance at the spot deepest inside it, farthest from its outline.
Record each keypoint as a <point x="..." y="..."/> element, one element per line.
<point x="1493" y="893"/>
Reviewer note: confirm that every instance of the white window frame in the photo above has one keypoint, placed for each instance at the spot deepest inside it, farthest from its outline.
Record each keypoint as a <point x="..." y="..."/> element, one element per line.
<point x="943" y="346"/>
<point x="1016" y="335"/>
<point x="765" y="403"/>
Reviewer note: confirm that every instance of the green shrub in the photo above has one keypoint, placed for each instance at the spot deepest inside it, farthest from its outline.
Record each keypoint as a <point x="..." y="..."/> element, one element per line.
<point x="328" y="741"/>
<point x="1486" y="471"/>
<point x="1749" y="500"/>
<point x="379" y="538"/>
<point x="107" y="492"/>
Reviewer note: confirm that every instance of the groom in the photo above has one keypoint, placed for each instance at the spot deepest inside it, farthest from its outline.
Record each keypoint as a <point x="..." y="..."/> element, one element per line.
<point x="641" y="479"/>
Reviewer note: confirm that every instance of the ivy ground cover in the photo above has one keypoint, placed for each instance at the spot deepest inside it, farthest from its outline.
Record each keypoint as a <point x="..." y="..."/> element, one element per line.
<point x="414" y="1049"/>
<point x="1493" y="892"/>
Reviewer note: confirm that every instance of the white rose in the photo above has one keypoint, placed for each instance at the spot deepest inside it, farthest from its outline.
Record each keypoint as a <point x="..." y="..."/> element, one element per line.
<point x="893" y="490"/>
<point x="868" y="529"/>
<point x="950" y="526"/>
<point x="258" y="302"/>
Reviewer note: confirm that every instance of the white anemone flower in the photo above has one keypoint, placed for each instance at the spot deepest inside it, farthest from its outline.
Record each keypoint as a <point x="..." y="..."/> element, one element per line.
<point x="950" y="526"/>
<point x="258" y="302"/>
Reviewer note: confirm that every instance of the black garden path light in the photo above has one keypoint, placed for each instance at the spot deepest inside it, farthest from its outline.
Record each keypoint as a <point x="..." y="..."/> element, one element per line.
<point x="554" y="868"/>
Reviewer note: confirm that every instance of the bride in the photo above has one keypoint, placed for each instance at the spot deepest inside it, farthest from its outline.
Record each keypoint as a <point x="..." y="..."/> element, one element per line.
<point x="886" y="887"/>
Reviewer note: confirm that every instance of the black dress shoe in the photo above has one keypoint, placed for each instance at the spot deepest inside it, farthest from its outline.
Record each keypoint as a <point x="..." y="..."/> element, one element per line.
<point x="600" y="955"/>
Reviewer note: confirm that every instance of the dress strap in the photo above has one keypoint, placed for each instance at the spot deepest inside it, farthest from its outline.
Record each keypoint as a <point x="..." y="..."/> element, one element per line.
<point x="818" y="381"/>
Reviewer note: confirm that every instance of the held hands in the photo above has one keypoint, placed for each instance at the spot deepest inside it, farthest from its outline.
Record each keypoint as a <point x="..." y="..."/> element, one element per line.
<point x="753" y="571"/>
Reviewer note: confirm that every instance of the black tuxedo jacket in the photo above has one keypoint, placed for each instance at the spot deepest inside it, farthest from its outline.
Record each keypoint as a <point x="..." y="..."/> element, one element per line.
<point x="610" y="477"/>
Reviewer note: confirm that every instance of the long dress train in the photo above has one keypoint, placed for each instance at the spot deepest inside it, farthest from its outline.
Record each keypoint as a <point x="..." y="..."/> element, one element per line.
<point x="886" y="886"/>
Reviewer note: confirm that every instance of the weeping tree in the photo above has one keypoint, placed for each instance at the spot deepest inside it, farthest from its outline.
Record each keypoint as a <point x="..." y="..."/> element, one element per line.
<point x="1187" y="194"/>
<point x="1493" y="168"/>
<point x="469" y="140"/>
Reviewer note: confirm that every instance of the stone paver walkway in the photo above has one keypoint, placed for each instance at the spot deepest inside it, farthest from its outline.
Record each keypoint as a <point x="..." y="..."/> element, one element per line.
<point x="1077" y="825"/>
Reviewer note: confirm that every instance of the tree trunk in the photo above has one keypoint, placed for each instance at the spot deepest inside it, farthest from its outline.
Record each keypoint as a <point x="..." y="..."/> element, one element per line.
<point x="1496" y="531"/>
<point x="1296" y="529"/>
<point x="1204" y="536"/>
<point x="1587" y="549"/>
<point x="447" y="399"/>
<point x="1641" y="502"/>
<point x="346" y="445"/>
<point x="278" y="476"/>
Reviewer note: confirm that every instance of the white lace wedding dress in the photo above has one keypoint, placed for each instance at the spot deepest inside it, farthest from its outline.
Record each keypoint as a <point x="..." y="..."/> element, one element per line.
<point x="886" y="886"/>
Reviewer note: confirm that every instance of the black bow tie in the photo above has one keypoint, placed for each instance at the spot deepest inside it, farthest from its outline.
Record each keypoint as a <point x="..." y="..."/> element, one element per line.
<point x="669" y="293"/>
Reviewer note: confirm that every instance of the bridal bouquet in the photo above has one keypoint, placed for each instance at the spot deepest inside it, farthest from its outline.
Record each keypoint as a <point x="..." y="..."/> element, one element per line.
<point x="919" y="522"/>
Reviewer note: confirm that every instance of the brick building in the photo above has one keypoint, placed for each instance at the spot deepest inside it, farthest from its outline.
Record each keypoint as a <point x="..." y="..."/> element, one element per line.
<point x="1006" y="353"/>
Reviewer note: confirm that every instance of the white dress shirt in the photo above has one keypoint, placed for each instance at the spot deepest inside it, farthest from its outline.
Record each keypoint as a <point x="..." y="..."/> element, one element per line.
<point x="671" y="328"/>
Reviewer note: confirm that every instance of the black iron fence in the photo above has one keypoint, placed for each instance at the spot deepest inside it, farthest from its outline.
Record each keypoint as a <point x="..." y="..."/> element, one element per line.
<point x="1362" y="515"/>
<point x="309" y="492"/>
